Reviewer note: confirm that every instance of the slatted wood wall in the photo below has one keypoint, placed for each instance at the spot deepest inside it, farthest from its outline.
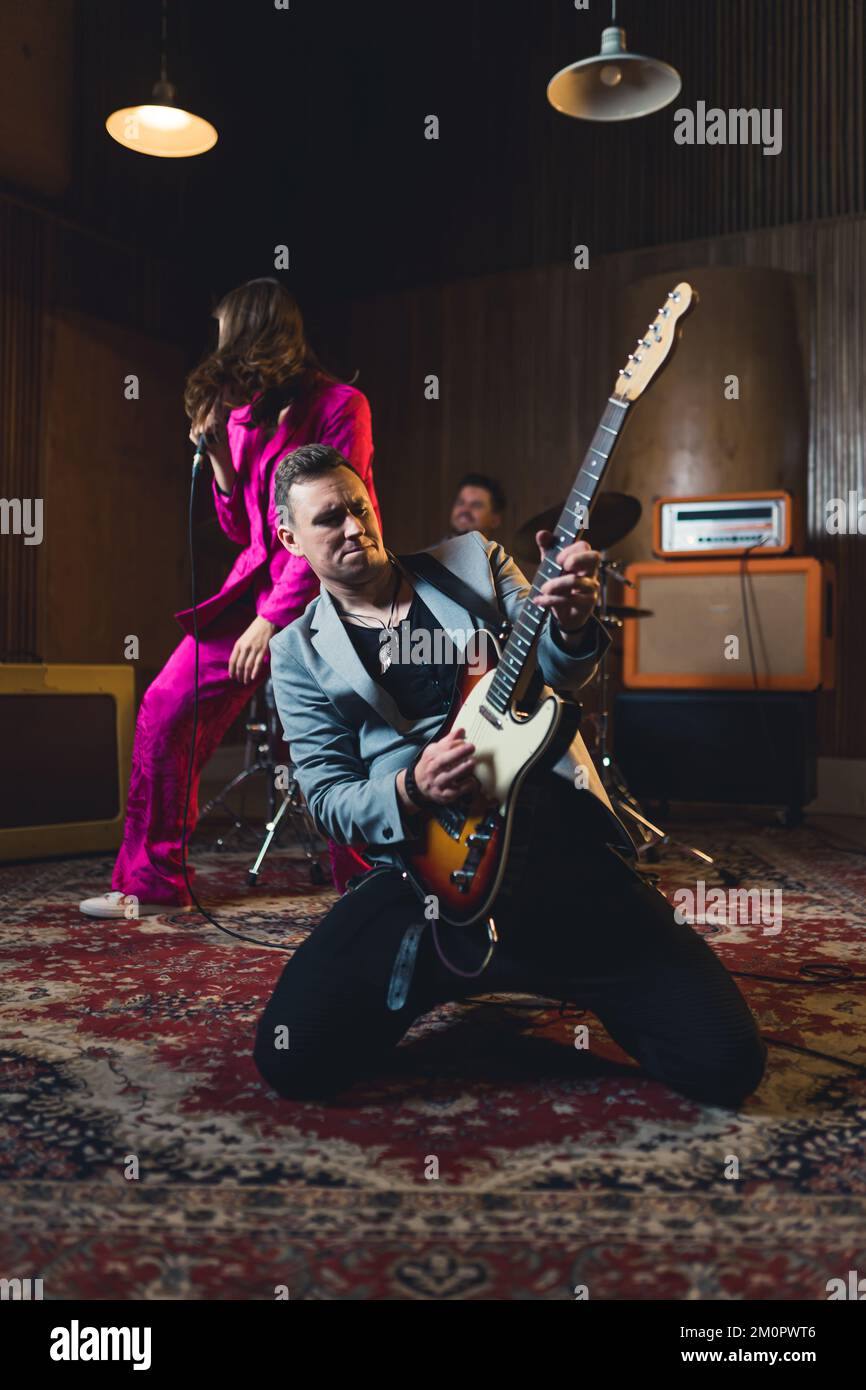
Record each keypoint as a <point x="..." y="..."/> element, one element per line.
<point x="24" y="261"/>
<point x="617" y="186"/>
<point x="63" y="439"/>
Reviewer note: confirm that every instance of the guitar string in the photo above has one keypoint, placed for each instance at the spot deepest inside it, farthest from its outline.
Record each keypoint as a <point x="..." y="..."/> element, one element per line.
<point x="606" y="421"/>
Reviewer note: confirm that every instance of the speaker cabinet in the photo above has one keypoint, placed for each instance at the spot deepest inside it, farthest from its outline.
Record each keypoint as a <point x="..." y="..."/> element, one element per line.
<point x="755" y="749"/>
<point x="66" y="734"/>
<point x="731" y="625"/>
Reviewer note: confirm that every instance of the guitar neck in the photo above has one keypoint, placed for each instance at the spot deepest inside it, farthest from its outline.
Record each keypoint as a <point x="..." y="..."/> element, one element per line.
<point x="573" y="521"/>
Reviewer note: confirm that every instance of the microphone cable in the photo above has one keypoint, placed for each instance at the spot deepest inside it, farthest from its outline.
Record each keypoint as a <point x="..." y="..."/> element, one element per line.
<point x="200" y="452"/>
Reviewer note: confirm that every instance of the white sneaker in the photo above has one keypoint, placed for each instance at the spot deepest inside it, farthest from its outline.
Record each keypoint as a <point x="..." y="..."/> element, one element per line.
<point x="124" y="905"/>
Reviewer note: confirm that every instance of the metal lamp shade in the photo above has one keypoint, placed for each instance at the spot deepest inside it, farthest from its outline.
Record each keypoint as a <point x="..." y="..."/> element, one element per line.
<point x="614" y="85"/>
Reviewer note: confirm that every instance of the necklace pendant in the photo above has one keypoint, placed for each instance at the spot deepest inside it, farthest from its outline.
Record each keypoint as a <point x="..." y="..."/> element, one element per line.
<point x="385" y="657"/>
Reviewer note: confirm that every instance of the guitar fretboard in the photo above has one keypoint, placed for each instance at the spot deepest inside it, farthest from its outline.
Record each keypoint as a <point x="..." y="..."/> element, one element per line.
<point x="572" y="523"/>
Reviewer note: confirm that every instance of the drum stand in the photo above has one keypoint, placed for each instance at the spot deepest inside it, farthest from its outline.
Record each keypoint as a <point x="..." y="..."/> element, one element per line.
<point x="285" y="804"/>
<point x="647" y="837"/>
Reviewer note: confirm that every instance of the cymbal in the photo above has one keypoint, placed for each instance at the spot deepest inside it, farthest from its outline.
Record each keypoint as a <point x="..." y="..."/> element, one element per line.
<point x="613" y="516"/>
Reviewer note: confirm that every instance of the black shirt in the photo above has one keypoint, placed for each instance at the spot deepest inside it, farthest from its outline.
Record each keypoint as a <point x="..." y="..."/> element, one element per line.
<point x="418" y="687"/>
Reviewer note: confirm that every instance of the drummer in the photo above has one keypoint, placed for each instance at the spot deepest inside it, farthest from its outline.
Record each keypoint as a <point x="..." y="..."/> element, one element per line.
<point x="479" y="505"/>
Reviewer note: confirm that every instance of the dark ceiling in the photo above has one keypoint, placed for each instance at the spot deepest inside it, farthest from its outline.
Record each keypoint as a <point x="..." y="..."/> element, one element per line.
<point x="320" y="110"/>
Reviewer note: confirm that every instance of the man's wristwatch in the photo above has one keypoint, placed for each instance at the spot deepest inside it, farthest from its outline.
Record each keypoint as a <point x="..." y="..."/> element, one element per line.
<point x="415" y="795"/>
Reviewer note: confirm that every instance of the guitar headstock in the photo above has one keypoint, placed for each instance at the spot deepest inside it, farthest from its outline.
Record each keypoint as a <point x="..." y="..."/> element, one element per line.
<point x="655" y="347"/>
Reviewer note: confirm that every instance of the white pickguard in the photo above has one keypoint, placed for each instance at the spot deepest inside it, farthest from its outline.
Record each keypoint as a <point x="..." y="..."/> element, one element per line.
<point x="503" y="754"/>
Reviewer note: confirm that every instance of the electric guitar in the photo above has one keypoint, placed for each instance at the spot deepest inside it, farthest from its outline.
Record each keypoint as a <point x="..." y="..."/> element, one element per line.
<point x="462" y="852"/>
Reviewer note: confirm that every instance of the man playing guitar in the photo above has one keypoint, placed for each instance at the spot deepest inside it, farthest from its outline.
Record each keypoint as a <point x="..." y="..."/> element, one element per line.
<point x="580" y="923"/>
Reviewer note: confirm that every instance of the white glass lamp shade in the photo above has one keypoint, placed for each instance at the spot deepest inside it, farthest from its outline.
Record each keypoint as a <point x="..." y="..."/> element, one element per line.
<point x="161" y="128"/>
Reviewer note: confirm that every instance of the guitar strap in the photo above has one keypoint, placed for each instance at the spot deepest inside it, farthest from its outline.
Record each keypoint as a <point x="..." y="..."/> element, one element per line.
<point x="429" y="568"/>
<point x="404" y="967"/>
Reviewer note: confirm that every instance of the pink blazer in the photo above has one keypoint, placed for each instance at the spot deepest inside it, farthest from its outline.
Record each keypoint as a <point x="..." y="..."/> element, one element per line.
<point x="282" y="584"/>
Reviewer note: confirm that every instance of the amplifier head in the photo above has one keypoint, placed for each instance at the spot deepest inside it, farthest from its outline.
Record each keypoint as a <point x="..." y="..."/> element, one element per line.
<point x="725" y="523"/>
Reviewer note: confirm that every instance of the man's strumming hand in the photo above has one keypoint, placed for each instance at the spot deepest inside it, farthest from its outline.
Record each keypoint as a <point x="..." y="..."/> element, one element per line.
<point x="443" y="773"/>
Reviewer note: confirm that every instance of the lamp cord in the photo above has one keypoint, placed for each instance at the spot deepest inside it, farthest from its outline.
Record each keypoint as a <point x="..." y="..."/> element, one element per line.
<point x="265" y="945"/>
<point x="163" y="56"/>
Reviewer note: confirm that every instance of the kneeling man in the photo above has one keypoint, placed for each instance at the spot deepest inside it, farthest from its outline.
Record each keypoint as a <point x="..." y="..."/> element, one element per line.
<point x="364" y="725"/>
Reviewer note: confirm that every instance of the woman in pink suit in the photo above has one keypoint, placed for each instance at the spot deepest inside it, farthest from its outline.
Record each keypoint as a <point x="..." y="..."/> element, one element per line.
<point x="286" y="399"/>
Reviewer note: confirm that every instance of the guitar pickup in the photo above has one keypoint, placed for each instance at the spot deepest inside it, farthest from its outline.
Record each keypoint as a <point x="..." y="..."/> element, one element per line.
<point x="452" y="822"/>
<point x="490" y="717"/>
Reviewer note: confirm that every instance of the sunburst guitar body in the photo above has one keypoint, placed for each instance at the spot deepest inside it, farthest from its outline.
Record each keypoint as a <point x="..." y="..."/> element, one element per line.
<point x="463" y="851"/>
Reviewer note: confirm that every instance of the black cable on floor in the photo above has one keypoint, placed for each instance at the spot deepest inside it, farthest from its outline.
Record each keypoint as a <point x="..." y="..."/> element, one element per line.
<point x="564" y="1012"/>
<point x="823" y="973"/>
<point x="816" y="972"/>
<point x="840" y="849"/>
<point x="812" y="1052"/>
<point x="238" y="936"/>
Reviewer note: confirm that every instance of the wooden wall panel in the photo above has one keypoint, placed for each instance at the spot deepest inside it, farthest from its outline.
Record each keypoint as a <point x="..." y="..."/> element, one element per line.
<point x="37" y="50"/>
<point x="77" y="313"/>
<point x="116" y="482"/>
<point x="684" y="435"/>
<point x="23" y="275"/>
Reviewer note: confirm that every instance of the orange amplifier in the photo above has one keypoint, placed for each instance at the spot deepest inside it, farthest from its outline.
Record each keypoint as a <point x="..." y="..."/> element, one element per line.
<point x="732" y="625"/>
<point x="726" y="523"/>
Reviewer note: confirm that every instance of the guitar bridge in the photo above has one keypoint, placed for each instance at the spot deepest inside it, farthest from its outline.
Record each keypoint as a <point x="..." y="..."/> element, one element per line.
<point x="477" y="844"/>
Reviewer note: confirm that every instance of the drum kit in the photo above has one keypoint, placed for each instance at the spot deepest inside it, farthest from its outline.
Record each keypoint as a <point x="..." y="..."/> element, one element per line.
<point x="614" y="516"/>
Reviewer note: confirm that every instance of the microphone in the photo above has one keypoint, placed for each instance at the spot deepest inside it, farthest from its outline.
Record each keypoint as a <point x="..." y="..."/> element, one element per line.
<point x="201" y="450"/>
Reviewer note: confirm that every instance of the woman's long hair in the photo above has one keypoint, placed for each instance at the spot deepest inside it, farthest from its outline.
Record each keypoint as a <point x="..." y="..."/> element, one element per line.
<point x="263" y="352"/>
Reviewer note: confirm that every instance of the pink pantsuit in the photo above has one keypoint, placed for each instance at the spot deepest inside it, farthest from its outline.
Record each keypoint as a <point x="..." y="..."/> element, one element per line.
<point x="265" y="580"/>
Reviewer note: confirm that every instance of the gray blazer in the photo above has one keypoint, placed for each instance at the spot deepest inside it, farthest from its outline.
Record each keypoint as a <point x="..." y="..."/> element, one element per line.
<point x="347" y="737"/>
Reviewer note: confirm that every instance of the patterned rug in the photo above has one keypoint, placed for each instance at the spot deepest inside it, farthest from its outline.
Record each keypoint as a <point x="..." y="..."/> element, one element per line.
<point x="126" y="1048"/>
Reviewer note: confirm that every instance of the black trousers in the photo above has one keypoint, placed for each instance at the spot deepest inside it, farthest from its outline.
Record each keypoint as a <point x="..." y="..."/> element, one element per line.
<point x="583" y="926"/>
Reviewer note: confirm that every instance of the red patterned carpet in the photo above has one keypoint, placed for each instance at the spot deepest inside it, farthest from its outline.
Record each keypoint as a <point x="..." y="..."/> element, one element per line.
<point x="557" y="1167"/>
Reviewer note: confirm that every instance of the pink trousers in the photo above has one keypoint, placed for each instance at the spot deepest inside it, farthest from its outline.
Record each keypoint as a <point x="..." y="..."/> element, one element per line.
<point x="149" y="861"/>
